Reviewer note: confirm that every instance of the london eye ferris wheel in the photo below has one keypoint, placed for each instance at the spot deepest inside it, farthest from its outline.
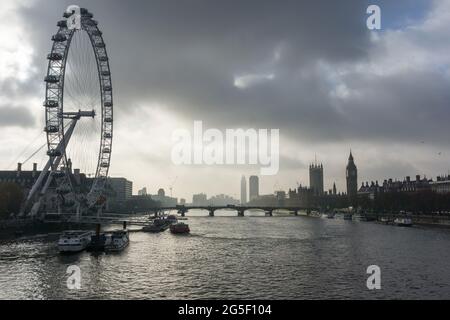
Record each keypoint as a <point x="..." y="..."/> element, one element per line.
<point x="78" y="110"/>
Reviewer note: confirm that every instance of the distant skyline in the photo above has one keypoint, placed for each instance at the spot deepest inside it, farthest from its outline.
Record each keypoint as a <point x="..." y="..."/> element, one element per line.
<point x="311" y="69"/>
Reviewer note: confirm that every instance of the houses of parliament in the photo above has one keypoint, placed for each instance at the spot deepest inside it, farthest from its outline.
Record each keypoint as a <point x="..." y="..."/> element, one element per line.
<point x="304" y="195"/>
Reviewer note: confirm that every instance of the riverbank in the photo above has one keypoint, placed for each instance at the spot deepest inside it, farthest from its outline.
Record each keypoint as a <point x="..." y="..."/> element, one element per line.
<point x="21" y="228"/>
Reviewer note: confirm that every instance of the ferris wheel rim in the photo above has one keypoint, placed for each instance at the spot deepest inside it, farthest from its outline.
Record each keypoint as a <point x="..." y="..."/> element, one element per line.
<point x="54" y="96"/>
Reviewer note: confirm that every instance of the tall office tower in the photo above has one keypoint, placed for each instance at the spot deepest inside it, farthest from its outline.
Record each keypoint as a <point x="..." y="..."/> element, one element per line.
<point x="253" y="187"/>
<point x="352" y="180"/>
<point x="316" y="179"/>
<point x="243" y="190"/>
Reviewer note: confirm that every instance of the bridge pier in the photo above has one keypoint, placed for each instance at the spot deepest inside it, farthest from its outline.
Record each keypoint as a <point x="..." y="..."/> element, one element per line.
<point x="211" y="212"/>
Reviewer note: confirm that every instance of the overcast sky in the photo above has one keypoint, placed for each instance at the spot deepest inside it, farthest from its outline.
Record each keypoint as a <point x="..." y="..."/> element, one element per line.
<point x="309" y="68"/>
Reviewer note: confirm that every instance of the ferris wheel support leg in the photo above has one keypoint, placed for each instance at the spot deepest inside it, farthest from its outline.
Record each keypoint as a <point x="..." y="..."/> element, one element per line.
<point x="37" y="185"/>
<point x="52" y="164"/>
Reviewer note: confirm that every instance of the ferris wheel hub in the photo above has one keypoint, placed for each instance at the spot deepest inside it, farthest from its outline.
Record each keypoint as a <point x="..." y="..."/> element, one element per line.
<point x="77" y="115"/>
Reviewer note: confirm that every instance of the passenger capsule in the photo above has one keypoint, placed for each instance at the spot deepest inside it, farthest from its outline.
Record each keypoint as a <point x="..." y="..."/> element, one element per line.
<point x="62" y="24"/>
<point x="51" y="79"/>
<point x="59" y="37"/>
<point x="54" y="153"/>
<point x="91" y="22"/>
<point x="104" y="165"/>
<point x="51" y="129"/>
<point x="54" y="56"/>
<point x="51" y="104"/>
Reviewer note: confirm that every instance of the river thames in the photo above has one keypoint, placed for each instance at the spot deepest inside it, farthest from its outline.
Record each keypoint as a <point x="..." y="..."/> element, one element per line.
<point x="229" y="257"/>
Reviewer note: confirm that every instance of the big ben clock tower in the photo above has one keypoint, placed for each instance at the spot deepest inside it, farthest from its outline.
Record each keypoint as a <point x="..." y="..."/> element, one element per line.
<point x="352" y="180"/>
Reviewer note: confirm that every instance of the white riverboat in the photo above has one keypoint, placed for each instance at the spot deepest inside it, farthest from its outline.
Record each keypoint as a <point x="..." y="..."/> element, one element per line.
<point x="157" y="225"/>
<point x="74" y="240"/>
<point x="384" y="220"/>
<point x="403" y="222"/>
<point x="359" y="217"/>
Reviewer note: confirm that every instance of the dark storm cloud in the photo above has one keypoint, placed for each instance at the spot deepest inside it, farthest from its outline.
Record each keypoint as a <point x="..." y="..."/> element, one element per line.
<point x="187" y="52"/>
<point x="186" y="55"/>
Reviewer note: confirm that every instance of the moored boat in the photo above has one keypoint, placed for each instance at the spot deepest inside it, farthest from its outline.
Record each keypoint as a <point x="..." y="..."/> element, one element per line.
<point x="74" y="241"/>
<point x="403" y="222"/>
<point x="384" y="220"/>
<point x="359" y="217"/>
<point x="348" y="216"/>
<point x="99" y="242"/>
<point x="179" y="228"/>
<point x="157" y="225"/>
<point x="119" y="241"/>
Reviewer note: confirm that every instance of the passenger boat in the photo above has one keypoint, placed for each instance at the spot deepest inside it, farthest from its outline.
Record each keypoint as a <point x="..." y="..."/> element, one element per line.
<point x="179" y="228"/>
<point x="119" y="241"/>
<point x="99" y="242"/>
<point x="403" y="222"/>
<point x="384" y="220"/>
<point x="359" y="217"/>
<point x="74" y="240"/>
<point x="157" y="225"/>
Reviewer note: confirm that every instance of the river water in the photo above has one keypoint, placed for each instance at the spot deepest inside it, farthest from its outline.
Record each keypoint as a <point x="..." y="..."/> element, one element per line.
<point x="229" y="257"/>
